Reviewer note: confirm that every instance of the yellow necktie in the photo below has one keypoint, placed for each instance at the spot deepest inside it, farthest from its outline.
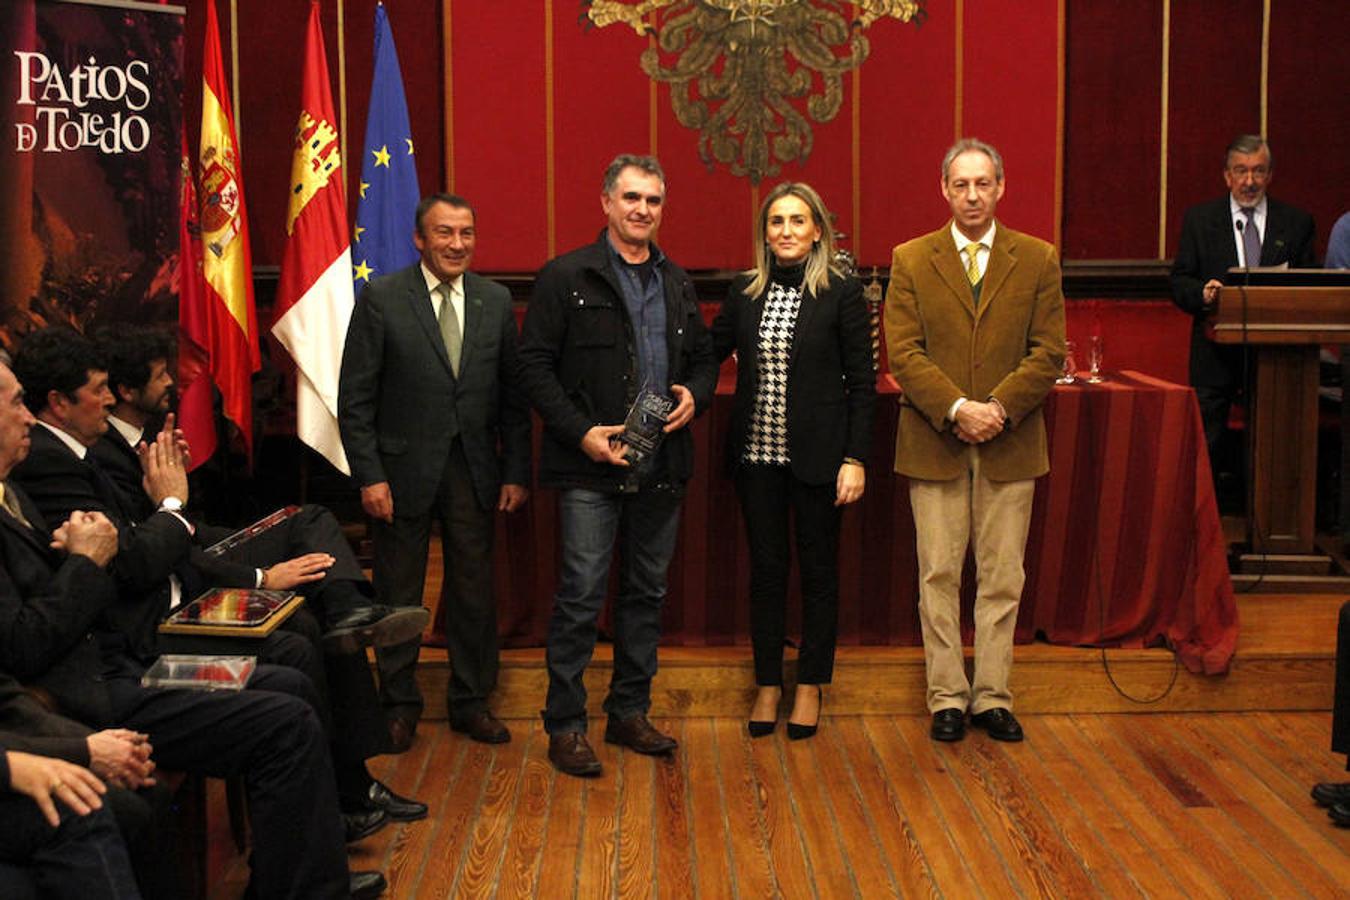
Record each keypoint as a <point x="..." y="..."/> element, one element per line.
<point x="11" y="505"/>
<point x="973" y="266"/>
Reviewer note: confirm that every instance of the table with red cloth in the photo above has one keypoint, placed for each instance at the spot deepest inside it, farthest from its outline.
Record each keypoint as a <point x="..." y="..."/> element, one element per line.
<point x="1125" y="548"/>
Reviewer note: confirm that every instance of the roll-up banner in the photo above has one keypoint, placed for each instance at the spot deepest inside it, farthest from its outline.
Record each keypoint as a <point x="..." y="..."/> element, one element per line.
<point x="90" y="112"/>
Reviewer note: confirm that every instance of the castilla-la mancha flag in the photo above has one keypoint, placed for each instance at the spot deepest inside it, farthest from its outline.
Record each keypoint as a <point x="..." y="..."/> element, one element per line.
<point x="227" y="264"/>
<point x="314" y="296"/>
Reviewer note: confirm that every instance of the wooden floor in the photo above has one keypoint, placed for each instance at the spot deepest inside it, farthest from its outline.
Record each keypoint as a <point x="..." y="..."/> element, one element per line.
<point x="1158" y="804"/>
<point x="1214" y="805"/>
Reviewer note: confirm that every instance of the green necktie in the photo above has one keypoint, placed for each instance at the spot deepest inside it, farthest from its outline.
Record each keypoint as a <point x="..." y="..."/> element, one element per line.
<point x="449" y="322"/>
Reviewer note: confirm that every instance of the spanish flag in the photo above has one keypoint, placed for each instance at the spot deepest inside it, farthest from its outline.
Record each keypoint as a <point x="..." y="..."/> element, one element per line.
<point x="196" y="394"/>
<point x="227" y="265"/>
<point x="314" y="296"/>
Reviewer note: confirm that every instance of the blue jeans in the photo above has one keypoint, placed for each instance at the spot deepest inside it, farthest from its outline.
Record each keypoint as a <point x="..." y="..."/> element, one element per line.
<point x="644" y="525"/>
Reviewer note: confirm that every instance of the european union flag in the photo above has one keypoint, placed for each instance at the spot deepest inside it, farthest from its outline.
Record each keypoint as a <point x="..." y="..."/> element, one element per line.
<point x="388" y="195"/>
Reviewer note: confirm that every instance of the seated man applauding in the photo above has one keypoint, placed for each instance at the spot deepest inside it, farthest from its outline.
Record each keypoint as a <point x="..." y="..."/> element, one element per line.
<point x="67" y="389"/>
<point x="57" y="598"/>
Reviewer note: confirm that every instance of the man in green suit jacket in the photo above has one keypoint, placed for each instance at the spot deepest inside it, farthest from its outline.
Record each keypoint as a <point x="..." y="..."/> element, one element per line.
<point x="975" y="334"/>
<point x="434" y="425"/>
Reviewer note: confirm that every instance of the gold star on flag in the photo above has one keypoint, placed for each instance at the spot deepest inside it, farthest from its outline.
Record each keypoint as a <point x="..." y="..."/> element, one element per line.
<point x="362" y="271"/>
<point x="410" y="150"/>
<point x="356" y="235"/>
<point x="382" y="156"/>
<point x="364" y="185"/>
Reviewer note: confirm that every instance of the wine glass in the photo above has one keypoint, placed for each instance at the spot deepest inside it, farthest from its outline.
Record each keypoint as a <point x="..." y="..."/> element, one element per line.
<point x="1070" y="365"/>
<point x="1095" y="360"/>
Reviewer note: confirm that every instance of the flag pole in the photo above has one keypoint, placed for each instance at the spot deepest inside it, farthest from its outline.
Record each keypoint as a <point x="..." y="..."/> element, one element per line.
<point x="234" y="78"/>
<point x="342" y="81"/>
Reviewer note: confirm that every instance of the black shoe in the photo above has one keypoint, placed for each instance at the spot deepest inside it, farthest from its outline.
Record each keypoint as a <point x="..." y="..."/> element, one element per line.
<point x="483" y="727"/>
<point x="760" y="729"/>
<point x="1329" y="793"/>
<point x="375" y="626"/>
<point x="1340" y="814"/>
<point x="796" y="731"/>
<point x="400" y="809"/>
<point x="571" y="754"/>
<point x="637" y="734"/>
<point x="948" y="725"/>
<point x="999" y="722"/>
<point x="363" y="823"/>
<point x="367" y="885"/>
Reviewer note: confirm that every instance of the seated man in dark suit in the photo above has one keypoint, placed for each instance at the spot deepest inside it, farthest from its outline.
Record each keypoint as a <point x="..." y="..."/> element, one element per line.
<point x="71" y="400"/>
<point x="141" y="806"/>
<point x="50" y="850"/>
<point x="56" y="597"/>
<point x="58" y="837"/>
<point x="1242" y="228"/>
<point x="1335" y="796"/>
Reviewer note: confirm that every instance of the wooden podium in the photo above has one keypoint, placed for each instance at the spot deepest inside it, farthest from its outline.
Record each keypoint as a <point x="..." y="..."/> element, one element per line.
<point x="1284" y="316"/>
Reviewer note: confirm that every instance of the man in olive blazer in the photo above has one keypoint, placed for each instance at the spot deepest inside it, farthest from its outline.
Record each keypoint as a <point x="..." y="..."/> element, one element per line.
<point x="430" y="436"/>
<point x="975" y="335"/>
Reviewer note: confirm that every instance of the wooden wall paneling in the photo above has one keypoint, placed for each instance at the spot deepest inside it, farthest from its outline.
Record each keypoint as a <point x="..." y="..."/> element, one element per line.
<point x="1215" y="95"/>
<point x="500" y="129"/>
<point x="1309" y="110"/>
<point x="1010" y="99"/>
<point x="1113" y="78"/>
<point x="269" y="102"/>
<point x="707" y="224"/>
<point x="907" y="123"/>
<point x="602" y="107"/>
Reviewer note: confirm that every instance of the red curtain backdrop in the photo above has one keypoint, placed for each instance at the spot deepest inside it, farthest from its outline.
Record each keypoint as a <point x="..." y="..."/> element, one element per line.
<point x="537" y="104"/>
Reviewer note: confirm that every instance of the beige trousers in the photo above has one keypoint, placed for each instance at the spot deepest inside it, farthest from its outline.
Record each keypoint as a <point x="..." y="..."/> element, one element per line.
<point x="947" y="516"/>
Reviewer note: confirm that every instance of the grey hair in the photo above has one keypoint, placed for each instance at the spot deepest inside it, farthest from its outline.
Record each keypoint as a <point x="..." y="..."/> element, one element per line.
<point x="966" y="145"/>
<point x="648" y="164"/>
<point x="1248" y="143"/>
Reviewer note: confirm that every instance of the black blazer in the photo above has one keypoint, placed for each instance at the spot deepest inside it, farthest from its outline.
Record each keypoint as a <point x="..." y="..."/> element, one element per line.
<point x="831" y="387"/>
<point x="118" y="460"/>
<point x="398" y="399"/>
<point x="148" y="552"/>
<point x="26" y="725"/>
<point x="49" y="606"/>
<point x="1208" y="249"/>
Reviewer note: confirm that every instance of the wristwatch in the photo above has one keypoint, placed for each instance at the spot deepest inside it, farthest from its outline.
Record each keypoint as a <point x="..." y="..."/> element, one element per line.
<point x="171" y="504"/>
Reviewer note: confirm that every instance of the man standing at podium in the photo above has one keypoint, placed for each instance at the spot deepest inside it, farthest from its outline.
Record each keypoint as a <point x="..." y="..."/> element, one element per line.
<point x="1244" y="228"/>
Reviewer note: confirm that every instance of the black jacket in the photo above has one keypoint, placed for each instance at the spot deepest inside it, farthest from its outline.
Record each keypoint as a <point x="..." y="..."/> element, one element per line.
<point x="1207" y="249"/>
<point x="49" y="609"/>
<point x="831" y="388"/>
<point x="399" y="402"/>
<point x="579" y="363"/>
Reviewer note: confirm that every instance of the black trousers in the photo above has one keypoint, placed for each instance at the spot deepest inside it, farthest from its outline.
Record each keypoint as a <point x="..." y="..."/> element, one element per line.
<point x="775" y="503"/>
<point x="1340" y="709"/>
<point x="271" y="736"/>
<point x="467" y="598"/>
<point x="313" y="529"/>
<point x="347" y="703"/>
<point x="82" y="858"/>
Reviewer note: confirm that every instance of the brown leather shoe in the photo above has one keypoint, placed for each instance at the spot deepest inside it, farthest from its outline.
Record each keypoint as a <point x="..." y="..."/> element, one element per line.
<point x="483" y="727"/>
<point x="571" y="754"/>
<point x="401" y="731"/>
<point x="637" y="734"/>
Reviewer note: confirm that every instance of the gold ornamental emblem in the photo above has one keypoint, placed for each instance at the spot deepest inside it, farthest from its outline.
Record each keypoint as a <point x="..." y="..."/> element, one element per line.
<point x="751" y="75"/>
